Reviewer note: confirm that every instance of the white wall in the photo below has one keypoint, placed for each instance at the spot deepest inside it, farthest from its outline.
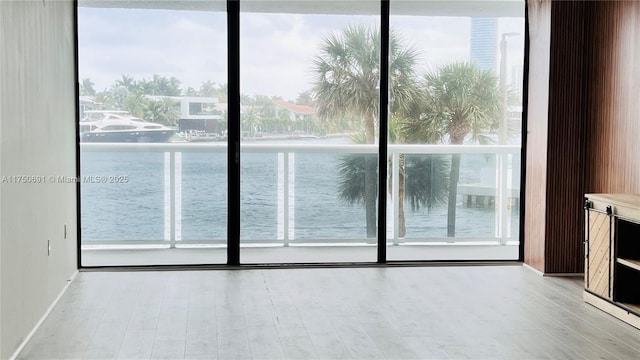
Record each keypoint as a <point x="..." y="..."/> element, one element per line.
<point x="37" y="137"/>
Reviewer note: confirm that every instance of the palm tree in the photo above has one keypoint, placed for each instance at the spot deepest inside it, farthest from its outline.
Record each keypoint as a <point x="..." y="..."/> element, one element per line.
<point x="128" y="82"/>
<point x="462" y="103"/>
<point x="160" y="86"/>
<point x="102" y="98"/>
<point x="283" y="118"/>
<point x="208" y="88"/>
<point x="304" y="98"/>
<point x="221" y="92"/>
<point x="173" y="87"/>
<point x="117" y="96"/>
<point x="147" y="87"/>
<point x="86" y="87"/>
<point x="346" y="80"/>
<point x="251" y="116"/>
<point x="135" y="104"/>
<point x="189" y="91"/>
<point x="422" y="181"/>
<point x="162" y="111"/>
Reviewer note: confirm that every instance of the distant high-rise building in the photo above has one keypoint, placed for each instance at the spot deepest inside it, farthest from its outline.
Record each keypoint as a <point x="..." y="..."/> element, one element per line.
<point x="515" y="82"/>
<point x="484" y="43"/>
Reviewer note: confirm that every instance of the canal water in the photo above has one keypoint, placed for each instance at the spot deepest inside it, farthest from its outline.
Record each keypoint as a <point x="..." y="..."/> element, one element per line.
<point x="138" y="209"/>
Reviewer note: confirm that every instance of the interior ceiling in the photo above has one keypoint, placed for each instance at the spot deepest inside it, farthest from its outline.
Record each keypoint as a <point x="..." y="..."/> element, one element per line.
<point x="495" y="8"/>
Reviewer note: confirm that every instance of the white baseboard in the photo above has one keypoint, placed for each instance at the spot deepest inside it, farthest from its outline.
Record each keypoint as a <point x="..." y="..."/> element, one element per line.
<point x="533" y="269"/>
<point x="551" y="274"/>
<point x="43" y="318"/>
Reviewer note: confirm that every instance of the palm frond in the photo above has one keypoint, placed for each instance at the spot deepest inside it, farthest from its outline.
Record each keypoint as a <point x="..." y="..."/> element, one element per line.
<point x="347" y="74"/>
<point x="426" y="180"/>
<point x="351" y="178"/>
<point x="461" y="101"/>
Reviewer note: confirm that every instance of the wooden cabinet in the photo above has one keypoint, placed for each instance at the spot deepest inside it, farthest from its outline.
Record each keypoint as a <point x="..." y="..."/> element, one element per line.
<point x="612" y="254"/>
<point x="598" y="275"/>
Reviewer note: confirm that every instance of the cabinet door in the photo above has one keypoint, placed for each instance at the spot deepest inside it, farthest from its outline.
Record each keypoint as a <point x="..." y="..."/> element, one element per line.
<point x="599" y="230"/>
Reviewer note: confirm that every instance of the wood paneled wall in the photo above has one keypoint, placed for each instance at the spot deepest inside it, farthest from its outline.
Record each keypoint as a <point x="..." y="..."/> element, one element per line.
<point x="613" y="106"/>
<point x="589" y="140"/>
<point x="566" y="138"/>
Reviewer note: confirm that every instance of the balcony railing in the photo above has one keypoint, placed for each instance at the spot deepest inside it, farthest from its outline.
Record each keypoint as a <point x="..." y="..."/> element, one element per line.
<point x="491" y="192"/>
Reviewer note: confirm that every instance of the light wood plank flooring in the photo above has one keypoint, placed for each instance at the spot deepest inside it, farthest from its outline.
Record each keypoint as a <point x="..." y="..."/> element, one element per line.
<point x="465" y="312"/>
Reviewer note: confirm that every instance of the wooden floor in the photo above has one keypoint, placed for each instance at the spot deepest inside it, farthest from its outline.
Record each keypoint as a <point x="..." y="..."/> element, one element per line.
<point x="476" y="312"/>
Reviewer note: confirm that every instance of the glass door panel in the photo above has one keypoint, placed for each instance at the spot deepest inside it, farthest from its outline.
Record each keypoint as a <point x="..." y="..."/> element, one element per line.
<point x="309" y="83"/>
<point x="152" y="130"/>
<point x="454" y="131"/>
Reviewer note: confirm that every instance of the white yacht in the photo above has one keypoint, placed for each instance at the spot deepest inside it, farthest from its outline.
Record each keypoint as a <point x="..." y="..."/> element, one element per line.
<point x="120" y="126"/>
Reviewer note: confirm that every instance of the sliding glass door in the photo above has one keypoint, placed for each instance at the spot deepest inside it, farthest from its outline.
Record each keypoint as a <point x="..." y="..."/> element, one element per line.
<point x="455" y="141"/>
<point x="309" y="112"/>
<point x="152" y="133"/>
<point x="162" y="126"/>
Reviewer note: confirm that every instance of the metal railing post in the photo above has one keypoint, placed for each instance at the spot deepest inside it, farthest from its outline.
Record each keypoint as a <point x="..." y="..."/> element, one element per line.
<point x="395" y="178"/>
<point x="285" y="195"/>
<point x="172" y="199"/>
<point x="292" y="194"/>
<point x="178" y="196"/>
<point x="502" y="198"/>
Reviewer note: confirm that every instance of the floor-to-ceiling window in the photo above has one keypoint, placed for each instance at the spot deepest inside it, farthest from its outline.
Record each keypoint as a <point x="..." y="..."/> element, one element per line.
<point x="309" y="84"/>
<point x="155" y="192"/>
<point x="152" y="132"/>
<point x="454" y="130"/>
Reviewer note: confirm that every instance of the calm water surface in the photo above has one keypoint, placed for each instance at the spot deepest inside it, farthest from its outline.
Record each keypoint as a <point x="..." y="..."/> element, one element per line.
<point x="136" y="210"/>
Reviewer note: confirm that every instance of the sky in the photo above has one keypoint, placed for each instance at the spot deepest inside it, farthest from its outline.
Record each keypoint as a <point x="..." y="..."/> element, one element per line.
<point x="276" y="49"/>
